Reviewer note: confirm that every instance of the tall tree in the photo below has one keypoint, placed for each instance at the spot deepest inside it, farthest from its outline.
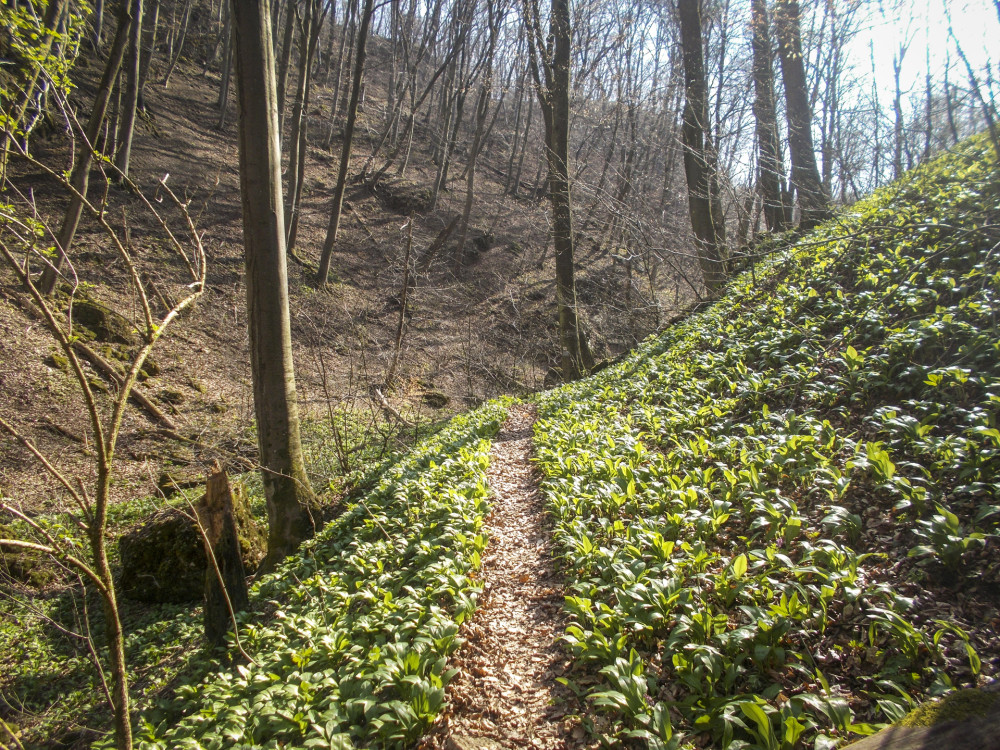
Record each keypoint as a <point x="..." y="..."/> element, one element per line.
<point x="345" y="153"/>
<point x="771" y="172"/>
<point x="814" y="202"/>
<point x="286" y="486"/>
<point x="80" y="178"/>
<point x="550" y="69"/>
<point x="130" y="102"/>
<point x="707" y="221"/>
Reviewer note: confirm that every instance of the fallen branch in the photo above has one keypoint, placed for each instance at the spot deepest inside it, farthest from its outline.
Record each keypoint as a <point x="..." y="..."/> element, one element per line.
<point x="391" y="410"/>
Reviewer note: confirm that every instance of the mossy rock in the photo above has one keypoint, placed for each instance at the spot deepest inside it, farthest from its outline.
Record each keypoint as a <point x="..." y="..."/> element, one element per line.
<point x="98" y="385"/>
<point x="957" y="706"/>
<point x="173" y="479"/>
<point x="163" y="560"/>
<point x="405" y="196"/>
<point x="482" y="241"/>
<point x="150" y="369"/>
<point x="171" y="396"/>
<point x="105" y="324"/>
<point x="963" y="719"/>
<point x="58" y="361"/>
<point x="435" y="399"/>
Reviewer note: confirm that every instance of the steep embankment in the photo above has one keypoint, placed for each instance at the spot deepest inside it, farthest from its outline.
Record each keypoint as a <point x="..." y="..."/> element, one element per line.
<point x="778" y="518"/>
<point x="362" y="619"/>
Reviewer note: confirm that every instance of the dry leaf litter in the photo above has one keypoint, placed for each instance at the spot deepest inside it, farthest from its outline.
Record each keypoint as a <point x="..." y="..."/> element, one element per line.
<point x="506" y="694"/>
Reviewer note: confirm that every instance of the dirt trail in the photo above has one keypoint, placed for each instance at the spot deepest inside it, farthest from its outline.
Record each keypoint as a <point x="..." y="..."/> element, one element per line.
<point x="506" y="694"/>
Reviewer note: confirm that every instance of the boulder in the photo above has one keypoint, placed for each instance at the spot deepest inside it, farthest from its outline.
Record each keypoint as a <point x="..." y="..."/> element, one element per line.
<point x="405" y="196"/>
<point x="105" y="324"/>
<point x="963" y="719"/>
<point x="24" y="566"/>
<point x="163" y="559"/>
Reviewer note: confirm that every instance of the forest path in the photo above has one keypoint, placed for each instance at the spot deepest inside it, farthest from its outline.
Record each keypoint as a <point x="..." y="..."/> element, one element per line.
<point x="506" y="694"/>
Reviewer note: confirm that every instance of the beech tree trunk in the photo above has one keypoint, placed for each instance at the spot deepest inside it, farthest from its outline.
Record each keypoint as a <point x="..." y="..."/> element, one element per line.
<point x="707" y="221"/>
<point x="312" y="25"/>
<point x="771" y="175"/>
<point x="130" y="100"/>
<point x="227" y="70"/>
<point x="813" y="199"/>
<point x="482" y="110"/>
<point x="80" y="179"/>
<point x="552" y="84"/>
<point x="148" y="52"/>
<point x="345" y="154"/>
<point x="179" y="44"/>
<point x="286" y="486"/>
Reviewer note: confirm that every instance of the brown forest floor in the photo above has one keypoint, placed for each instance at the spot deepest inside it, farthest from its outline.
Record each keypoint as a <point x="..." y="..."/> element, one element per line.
<point x="488" y="330"/>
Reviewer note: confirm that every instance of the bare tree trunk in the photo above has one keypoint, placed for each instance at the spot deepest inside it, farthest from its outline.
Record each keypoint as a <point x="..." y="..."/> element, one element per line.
<point x="95" y="40"/>
<point x="19" y="107"/>
<point x="703" y="203"/>
<point x="227" y="69"/>
<point x="286" y="486"/>
<point x="148" y="52"/>
<point x="482" y="112"/>
<point x="80" y="178"/>
<point x="311" y="27"/>
<point x="813" y="200"/>
<point x="286" y="56"/>
<point x="771" y="172"/>
<point x="345" y="39"/>
<point x="179" y="44"/>
<point x="897" y="110"/>
<point x="131" y="97"/>
<point x="552" y="83"/>
<point x="345" y="154"/>
<point x="516" y="186"/>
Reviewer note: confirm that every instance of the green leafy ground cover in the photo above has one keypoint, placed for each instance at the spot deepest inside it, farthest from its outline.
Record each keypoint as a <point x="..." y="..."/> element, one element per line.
<point x="779" y="518"/>
<point x="49" y="687"/>
<point x="362" y="620"/>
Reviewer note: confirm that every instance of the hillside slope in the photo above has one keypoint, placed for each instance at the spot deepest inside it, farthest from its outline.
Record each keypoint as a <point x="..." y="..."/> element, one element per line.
<point x="779" y="518"/>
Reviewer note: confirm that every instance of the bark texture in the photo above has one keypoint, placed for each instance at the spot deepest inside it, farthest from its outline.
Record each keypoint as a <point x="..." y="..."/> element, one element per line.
<point x="813" y="200"/>
<point x="286" y="487"/>
<point x="771" y="176"/>
<point x="552" y="83"/>
<point x="707" y="221"/>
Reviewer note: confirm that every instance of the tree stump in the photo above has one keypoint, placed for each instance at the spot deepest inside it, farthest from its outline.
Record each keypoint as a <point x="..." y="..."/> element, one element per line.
<point x="215" y="513"/>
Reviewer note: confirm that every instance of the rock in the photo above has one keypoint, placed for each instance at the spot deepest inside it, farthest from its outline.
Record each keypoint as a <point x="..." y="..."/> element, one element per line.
<point x="435" y="399"/>
<point x="163" y="560"/>
<point x="963" y="719"/>
<point x="103" y="323"/>
<point x="404" y="196"/>
<point x="176" y="478"/>
<point x="24" y="566"/>
<point x="57" y="361"/>
<point x="171" y="396"/>
<point x="150" y="369"/>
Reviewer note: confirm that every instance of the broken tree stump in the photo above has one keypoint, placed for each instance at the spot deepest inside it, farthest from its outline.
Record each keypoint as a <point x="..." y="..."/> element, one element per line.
<point x="225" y="581"/>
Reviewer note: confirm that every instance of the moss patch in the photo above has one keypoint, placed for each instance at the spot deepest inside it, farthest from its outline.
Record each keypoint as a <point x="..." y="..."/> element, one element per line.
<point x="106" y="325"/>
<point x="957" y="706"/>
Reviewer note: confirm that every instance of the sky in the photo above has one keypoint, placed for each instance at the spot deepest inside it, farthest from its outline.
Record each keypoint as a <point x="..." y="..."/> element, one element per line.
<point x="925" y="23"/>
